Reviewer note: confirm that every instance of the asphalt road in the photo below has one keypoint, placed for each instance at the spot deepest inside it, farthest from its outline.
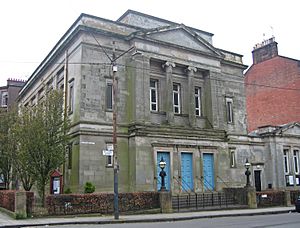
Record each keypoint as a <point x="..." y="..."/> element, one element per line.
<point x="290" y="220"/>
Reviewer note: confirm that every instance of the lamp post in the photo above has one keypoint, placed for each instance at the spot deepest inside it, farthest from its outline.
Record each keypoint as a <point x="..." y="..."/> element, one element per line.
<point x="247" y="173"/>
<point x="162" y="174"/>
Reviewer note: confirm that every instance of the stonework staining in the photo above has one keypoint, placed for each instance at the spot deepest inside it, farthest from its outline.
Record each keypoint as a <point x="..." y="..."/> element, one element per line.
<point x="172" y="102"/>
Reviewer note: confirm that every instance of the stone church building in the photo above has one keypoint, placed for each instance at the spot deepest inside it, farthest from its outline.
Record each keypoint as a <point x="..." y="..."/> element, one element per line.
<point x="179" y="97"/>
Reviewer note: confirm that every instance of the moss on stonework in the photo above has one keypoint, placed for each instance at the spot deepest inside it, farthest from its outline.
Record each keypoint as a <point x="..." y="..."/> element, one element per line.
<point x="130" y="76"/>
<point x="123" y="164"/>
<point x="74" y="178"/>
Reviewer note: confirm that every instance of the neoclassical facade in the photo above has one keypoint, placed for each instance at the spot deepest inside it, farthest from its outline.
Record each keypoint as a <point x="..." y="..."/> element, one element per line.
<point x="178" y="97"/>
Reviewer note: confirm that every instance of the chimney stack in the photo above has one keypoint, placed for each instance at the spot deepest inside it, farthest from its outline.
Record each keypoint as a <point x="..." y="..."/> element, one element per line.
<point x="265" y="50"/>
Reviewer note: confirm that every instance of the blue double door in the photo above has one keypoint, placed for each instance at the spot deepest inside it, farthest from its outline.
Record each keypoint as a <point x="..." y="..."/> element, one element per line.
<point x="187" y="177"/>
<point x="187" y="181"/>
<point x="208" y="171"/>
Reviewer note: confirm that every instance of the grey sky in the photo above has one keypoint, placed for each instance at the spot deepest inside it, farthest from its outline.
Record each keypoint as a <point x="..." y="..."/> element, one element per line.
<point x="30" y="28"/>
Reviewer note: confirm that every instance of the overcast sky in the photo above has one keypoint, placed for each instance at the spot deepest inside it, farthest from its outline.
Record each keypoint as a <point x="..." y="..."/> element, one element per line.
<point x="30" y="28"/>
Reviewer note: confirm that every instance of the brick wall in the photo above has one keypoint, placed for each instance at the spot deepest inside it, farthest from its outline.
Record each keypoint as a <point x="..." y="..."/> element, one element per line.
<point x="7" y="199"/>
<point x="268" y="105"/>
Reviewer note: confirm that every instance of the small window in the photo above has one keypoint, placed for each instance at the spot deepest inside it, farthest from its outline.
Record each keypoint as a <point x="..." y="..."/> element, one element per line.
<point x="198" y="101"/>
<point x="69" y="152"/>
<point x="232" y="159"/>
<point x="229" y="110"/>
<point x="286" y="161"/>
<point x="60" y="76"/>
<point x="49" y="86"/>
<point x="109" y="95"/>
<point x="4" y="99"/>
<point x="296" y="161"/>
<point x="71" y="97"/>
<point x="153" y="95"/>
<point x="33" y="101"/>
<point x="109" y="158"/>
<point x="176" y="98"/>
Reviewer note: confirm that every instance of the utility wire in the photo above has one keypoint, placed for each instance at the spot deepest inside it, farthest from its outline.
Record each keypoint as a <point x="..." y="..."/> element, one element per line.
<point x="159" y="72"/>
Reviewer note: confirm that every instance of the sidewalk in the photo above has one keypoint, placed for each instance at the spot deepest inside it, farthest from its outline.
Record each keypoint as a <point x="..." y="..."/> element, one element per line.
<point x="6" y="221"/>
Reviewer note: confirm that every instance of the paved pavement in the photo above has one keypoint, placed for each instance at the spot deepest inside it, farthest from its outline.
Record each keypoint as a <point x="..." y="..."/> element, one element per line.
<point x="6" y="221"/>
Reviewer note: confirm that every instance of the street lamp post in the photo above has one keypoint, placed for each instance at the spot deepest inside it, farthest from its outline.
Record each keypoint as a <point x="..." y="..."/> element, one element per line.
<point x="162" y="174"/>
<point x="247" y="173"/>
<point x="115" y="154"/>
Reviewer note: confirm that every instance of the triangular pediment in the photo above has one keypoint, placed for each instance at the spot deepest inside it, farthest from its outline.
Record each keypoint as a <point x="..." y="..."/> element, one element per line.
<point x="291" y="129"/>
<point x="183" y="37"/>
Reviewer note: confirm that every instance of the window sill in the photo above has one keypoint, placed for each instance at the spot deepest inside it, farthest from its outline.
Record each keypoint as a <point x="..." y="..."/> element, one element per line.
<point x="158" y="112"/>
<point x="181" y="115"/>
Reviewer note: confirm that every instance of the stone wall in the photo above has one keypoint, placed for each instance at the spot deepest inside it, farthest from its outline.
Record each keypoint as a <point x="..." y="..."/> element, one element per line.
<point x="100" y="203"/>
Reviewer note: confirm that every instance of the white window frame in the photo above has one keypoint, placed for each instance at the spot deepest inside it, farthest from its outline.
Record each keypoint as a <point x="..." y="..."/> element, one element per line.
<point x="155" y="91"/>
<point x="176" y="92"/>
<point x="71" y="97"/>
<point x="229" y="110"/>
<point x="198" y="110"/>
<point x="4" y="99"/>
<point x="296" y="161"/>
<point x="286" y="163"/>
<point x="109" y="83"/>
<point x="232" y="158"/>
<point x="109" y="158"/>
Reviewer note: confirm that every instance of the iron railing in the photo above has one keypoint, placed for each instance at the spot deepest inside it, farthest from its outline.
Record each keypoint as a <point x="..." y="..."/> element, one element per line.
<point x="198" y="201"/>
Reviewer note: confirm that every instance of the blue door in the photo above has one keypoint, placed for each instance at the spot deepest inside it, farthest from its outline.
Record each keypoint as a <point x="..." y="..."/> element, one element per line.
<point x="208" y="172"/>
<point x="166" y="157"/>
<point x="187" y="183"/>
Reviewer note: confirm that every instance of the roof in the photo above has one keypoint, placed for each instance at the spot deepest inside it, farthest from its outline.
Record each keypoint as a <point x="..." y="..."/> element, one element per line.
<point x="157" y="19"/>
<point x="274" y="130"/>
<point x="85" y="23"/>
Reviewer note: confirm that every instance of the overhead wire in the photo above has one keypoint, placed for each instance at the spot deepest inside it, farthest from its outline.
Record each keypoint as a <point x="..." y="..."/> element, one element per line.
<point x="158" y="72"/>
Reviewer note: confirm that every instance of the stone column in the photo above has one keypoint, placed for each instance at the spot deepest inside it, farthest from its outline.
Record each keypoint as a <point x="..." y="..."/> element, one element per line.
<point x="140" y="84"/>
<point x="251" y="196"/>
<point x="191" y="91"/>
<point x="20" y="205"/>
<point x="165" y="201"/>
<point x="287" y="198"/>
<point x="169" y="92"/>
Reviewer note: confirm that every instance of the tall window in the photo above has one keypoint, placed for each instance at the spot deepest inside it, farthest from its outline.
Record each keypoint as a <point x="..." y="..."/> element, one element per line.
<point x="71" y="97"/>
<point x="286" y="161"/>
<point x="69" y="153"/>
<point x="232" y="159"/>
<point x="176" y="98"/>
<point x="153" y="95"/>
<point x="198" y="101"/>
<point x="4" y="99"/>
<point x="296" y="161"/>
<point x="229" y="110"/>
<point x="109" y="95"/>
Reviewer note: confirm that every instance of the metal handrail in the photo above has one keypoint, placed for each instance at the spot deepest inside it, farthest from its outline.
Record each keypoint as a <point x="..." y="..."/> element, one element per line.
<point x="203" y="184"/>
<point x="185" y="183"/>
<point x="181" y="186"/>
<point x="223" y="181"/>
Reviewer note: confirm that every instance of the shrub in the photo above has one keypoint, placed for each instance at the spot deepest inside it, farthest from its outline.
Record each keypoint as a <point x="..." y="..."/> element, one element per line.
<point x="68" y="191"/>
<point x="89" y="187"/>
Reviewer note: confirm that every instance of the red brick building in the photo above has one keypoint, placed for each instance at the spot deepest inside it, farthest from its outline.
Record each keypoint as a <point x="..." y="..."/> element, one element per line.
<point x="272" y="87"/>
